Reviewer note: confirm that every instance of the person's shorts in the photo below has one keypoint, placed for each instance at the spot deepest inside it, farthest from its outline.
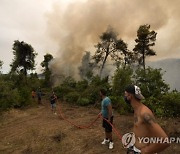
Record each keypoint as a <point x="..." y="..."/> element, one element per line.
<point x="106" y="125"/>
<point x="53" y="105"/>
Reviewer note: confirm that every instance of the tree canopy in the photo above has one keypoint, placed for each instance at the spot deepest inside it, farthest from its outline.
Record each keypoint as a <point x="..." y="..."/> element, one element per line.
<point x="109" y="46"/>
<point x="24" y="57"/>
<point x="46" y="71"/>
<point x="45" y="63"/>
<point x="145" y="40"/>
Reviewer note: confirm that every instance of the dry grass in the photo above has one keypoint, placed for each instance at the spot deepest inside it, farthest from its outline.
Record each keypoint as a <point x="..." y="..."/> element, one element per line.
<point x="37" y="130"/>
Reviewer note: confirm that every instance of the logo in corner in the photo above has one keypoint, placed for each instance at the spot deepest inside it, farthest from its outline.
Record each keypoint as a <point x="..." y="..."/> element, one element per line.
<point x="128" y="140"/>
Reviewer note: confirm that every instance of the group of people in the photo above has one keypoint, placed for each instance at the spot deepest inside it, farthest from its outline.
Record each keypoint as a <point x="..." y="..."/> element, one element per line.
<point x="37" y="93"/>
<point x="53" y="99"/>
<point x="145" y="124"/>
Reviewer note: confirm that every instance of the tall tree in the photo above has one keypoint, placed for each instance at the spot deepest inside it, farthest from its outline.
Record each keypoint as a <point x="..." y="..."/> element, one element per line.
<point x="24" y="57"/>
<point x="109" y="45"/>
<point x="46" y="70"/>
<point x="145" y="40"/>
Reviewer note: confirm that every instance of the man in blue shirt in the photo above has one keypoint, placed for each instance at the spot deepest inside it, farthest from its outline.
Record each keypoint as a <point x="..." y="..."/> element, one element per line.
<point x="106" y="112"/>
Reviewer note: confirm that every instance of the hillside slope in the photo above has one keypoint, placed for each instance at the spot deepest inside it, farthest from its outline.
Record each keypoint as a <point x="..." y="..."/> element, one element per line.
<point x="37" y="130"/>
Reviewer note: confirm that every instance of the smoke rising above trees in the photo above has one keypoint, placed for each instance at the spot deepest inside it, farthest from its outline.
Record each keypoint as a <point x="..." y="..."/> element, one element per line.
<point x="77" y="27"/>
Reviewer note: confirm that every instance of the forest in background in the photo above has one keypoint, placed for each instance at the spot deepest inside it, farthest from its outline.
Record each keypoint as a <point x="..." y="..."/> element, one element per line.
<point x="130" y="68"/>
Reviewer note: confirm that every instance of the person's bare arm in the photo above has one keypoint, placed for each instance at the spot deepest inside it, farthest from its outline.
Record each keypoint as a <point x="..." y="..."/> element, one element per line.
<point x="109" y="112"/>
<point x="156" y="131"/>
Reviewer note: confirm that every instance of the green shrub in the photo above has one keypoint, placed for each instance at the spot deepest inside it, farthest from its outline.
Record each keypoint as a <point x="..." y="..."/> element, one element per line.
<point x="8" y="96"/>
<point x="69" y="82"/>
<point x="151" y="82"/>
<point x="72" y="97"/>
<point x="83" y="101"/>
<point x="92" y="90"/>
<point x="66" y="87"/>
<point x="155" y="105"/>
<point x="34" y="82"/>
<point x="122" y="78"/>
<point x="13" y="96"/>
<point x="92" y="94"/>
<point x="171" y="104"/>
<point x="115" y="100"/>
<point x="120" y="105"/>
<point x="81" y="85"/>
<point x="168" y="105"/>
<point x="61" y="91"/>
<point x="25" y="97"/>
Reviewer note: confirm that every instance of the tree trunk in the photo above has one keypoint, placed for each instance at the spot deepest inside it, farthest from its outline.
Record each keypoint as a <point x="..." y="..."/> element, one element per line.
<point x="144" y="62"/>
<point x="125" y="60"/>
<point x="144" y="58"/>
<point x="104" y="61"/>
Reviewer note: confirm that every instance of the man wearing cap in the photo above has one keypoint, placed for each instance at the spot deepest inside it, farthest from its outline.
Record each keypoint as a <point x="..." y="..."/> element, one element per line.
<point x="145" y="124"/>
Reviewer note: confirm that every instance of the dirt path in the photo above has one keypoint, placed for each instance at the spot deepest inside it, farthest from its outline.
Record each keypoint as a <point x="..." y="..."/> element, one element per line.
<point x="37" y="130"/>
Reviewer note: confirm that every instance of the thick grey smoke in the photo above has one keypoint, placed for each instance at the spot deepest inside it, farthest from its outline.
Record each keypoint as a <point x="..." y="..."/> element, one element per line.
<point x="170" y="68"/>
<point x="77" y="27"/>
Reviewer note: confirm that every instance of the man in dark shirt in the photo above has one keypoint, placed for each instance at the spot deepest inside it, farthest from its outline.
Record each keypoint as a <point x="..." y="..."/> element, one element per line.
<point x="39" y="94"/>
<point x="53" y="99"/>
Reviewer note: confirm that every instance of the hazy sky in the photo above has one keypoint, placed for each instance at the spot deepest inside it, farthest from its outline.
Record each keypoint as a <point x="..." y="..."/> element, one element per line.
<point x="25" y="20"/>
<point x="47" y="25"/>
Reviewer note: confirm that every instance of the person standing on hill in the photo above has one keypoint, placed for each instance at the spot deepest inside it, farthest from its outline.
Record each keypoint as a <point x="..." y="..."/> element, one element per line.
<point x="106" y="113"/>
<point x="33" y="94"/>
<point x="53" y="100"/>
<point x="39" y="95"/>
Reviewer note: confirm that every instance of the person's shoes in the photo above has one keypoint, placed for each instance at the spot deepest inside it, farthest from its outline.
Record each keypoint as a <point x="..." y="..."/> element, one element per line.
<point x="111" y="145"/>
<point x="105" y="141"/>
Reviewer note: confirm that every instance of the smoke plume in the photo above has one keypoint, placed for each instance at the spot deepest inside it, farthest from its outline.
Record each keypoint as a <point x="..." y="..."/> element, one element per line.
<point x="77" y="27"/>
